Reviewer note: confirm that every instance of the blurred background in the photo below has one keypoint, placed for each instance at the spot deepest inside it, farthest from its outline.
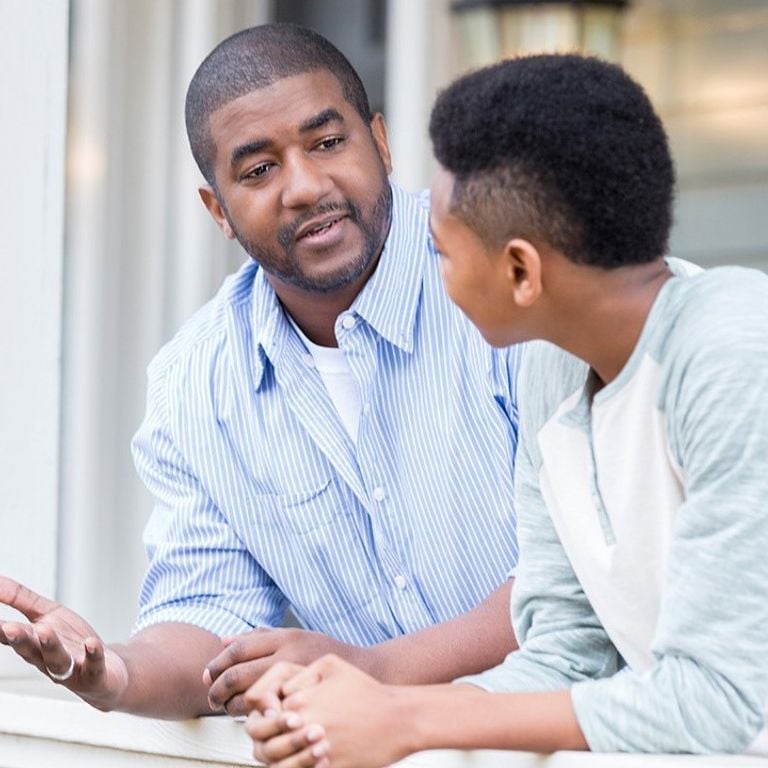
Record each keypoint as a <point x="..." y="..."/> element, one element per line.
<point x="105" y="247"/>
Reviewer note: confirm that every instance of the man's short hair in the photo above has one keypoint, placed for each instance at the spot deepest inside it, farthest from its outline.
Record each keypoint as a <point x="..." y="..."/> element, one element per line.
<point x="570" y="145"/>
<point x="255" y="58"/>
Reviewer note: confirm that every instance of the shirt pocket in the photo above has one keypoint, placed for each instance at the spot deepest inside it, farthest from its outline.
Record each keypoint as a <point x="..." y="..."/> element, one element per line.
<point x="303" y="511"/>
<point x="317" y="547"/>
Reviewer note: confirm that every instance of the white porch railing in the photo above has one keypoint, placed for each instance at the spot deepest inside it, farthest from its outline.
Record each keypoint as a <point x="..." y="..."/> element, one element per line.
<point x="42" y="725"/>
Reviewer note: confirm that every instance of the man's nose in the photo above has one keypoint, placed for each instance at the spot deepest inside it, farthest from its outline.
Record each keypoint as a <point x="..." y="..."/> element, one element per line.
<point x="305" y="182"/>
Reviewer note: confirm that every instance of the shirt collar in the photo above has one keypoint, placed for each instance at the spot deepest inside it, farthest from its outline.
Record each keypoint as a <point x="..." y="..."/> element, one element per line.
<point x="388" y="301"/>
<point x="271" y="328"/>
<point x="390" y="298"/>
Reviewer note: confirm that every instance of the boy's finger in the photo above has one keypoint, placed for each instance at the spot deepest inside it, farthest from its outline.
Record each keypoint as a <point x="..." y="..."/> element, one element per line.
<point x="296" y="744"/>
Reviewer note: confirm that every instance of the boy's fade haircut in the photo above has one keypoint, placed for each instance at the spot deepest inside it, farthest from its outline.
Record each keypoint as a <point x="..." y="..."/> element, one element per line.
<point x="569" y="145"/>
<point x="255" y="58"/>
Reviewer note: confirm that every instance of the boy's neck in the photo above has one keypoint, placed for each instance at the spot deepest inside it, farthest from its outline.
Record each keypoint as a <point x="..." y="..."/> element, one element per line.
<point x="605" y="311"/>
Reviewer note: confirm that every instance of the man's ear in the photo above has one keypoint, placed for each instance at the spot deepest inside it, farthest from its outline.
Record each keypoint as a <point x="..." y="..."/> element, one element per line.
<point x="523" y="271"/>
<point x="379" y="131"/>
<point x="211" y="202"/>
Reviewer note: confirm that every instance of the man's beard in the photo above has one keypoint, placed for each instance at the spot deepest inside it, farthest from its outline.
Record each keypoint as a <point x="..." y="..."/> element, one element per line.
<point x="289" y="270"/>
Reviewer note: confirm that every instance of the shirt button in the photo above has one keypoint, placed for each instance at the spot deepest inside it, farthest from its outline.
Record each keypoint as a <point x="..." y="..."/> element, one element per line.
<point x="378" y="494"/>
<point x="348" y="322"/>
<point x="309" y="361"/>
<point x="400" y="581"/>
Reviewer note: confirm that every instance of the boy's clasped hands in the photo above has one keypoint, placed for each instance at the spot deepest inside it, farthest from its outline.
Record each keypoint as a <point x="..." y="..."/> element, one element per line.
<point x="289" y="703"/>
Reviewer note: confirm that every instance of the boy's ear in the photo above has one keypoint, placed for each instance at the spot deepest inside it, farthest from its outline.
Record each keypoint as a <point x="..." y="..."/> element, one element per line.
<point x="523" y="271"/>
<point x="211" y="202"/>
<point x="380" y="138"/>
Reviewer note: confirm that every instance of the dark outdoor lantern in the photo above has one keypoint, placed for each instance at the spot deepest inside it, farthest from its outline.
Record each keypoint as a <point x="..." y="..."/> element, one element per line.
<point x="495" y="29"/>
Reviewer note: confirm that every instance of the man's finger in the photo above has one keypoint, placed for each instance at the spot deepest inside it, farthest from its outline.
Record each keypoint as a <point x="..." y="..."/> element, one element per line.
<point x="95" y="662"/>
<point x="4" y="639"/>
<point x="56" y="658"/>
<point x="24" y="600"/>
<point x="236" y="707"/>
<point x="242" y="648"/>
<point x="24" y="642"/>
<point x="236" y="681"/>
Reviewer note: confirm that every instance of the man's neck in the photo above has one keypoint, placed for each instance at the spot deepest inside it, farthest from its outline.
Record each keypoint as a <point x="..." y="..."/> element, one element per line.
<point x="314" y="312"/>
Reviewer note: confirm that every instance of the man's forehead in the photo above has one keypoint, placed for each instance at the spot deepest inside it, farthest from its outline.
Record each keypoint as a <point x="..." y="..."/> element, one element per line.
<point x="283" y="94"/>
<point x="282" y="108"/>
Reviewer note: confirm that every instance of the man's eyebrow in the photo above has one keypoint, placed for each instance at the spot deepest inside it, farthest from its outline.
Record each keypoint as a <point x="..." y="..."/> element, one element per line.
<point x="257" y="145"/>
<point x="250" y="148"/>
<point x="320" y="119"/>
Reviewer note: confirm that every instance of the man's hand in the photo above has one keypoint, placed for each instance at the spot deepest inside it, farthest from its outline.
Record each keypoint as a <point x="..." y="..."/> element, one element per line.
<point x="62" y="645"/>
<point x="467" y="644"/>
<point x="332" y="714"/>
<point x="246" y="658"/>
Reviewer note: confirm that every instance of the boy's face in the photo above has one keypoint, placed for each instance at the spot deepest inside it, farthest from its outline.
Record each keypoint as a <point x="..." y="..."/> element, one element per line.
<point x="476" y="277"/>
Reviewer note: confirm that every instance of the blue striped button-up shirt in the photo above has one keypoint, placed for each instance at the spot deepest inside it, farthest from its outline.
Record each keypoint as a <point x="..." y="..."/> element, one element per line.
<point x="263" y="500"/>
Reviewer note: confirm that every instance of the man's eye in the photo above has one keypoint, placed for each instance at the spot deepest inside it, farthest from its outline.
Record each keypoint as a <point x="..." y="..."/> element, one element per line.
<point x="257" y="171"/>
<point x="330" y="143"/>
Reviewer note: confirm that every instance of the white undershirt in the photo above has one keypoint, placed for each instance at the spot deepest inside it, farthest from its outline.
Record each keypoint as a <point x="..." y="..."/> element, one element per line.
<point x="338" y="379"/>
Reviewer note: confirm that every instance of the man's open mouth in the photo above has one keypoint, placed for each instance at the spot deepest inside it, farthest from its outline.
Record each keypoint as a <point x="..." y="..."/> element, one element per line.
<point x="316" y="228"/>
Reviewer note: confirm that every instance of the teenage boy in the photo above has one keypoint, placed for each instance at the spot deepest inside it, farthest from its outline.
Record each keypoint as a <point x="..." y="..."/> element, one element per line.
<point x="641" y="598"/>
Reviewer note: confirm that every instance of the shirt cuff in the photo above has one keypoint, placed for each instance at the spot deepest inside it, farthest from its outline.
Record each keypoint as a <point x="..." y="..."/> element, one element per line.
<point x="210" y="617"/>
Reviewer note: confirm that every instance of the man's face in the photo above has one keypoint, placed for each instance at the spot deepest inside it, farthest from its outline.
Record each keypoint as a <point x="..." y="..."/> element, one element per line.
<point x="474" y="276"/>
<point x="302" y="182"/>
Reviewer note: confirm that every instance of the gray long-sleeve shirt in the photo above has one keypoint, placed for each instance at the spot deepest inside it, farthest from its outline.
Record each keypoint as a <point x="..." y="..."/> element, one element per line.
<point x="643" y="526"/>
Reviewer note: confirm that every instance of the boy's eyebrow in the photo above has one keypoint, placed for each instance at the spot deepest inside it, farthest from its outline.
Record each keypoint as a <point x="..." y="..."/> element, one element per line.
<point x="320" y="119"/>
<point x="310" y="124"/>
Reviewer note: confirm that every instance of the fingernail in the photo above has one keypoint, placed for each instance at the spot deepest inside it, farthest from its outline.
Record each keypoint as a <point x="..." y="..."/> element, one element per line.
<point x="207" y="679"/>
<point x="271" y="714"/>
<point x="292" y="720"/>
<point x="319" y="750"/>
<point x="315" y="732"/>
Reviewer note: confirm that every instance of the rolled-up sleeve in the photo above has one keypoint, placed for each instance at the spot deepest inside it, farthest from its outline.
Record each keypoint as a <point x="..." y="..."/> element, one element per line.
<point x="200" y="572"/>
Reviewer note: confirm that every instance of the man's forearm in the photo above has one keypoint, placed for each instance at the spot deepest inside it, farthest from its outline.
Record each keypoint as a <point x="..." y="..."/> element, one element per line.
<point x="467" y="644"/>
<point x="165" y="666"/>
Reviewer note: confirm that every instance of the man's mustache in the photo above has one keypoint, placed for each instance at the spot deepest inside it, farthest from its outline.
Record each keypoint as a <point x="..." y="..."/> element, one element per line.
<point x="286" y="236"/>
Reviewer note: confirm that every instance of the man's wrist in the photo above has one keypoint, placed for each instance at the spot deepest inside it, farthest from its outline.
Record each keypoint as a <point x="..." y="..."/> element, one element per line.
<point x="372" y="660"/>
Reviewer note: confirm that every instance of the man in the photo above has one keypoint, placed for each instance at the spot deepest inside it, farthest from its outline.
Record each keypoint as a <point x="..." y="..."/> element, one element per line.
<point x="328" y="432"/>
<point x="641" y="596"/>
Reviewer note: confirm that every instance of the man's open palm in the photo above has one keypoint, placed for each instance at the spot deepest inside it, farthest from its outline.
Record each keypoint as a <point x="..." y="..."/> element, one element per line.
<point x="58" y="641"/>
